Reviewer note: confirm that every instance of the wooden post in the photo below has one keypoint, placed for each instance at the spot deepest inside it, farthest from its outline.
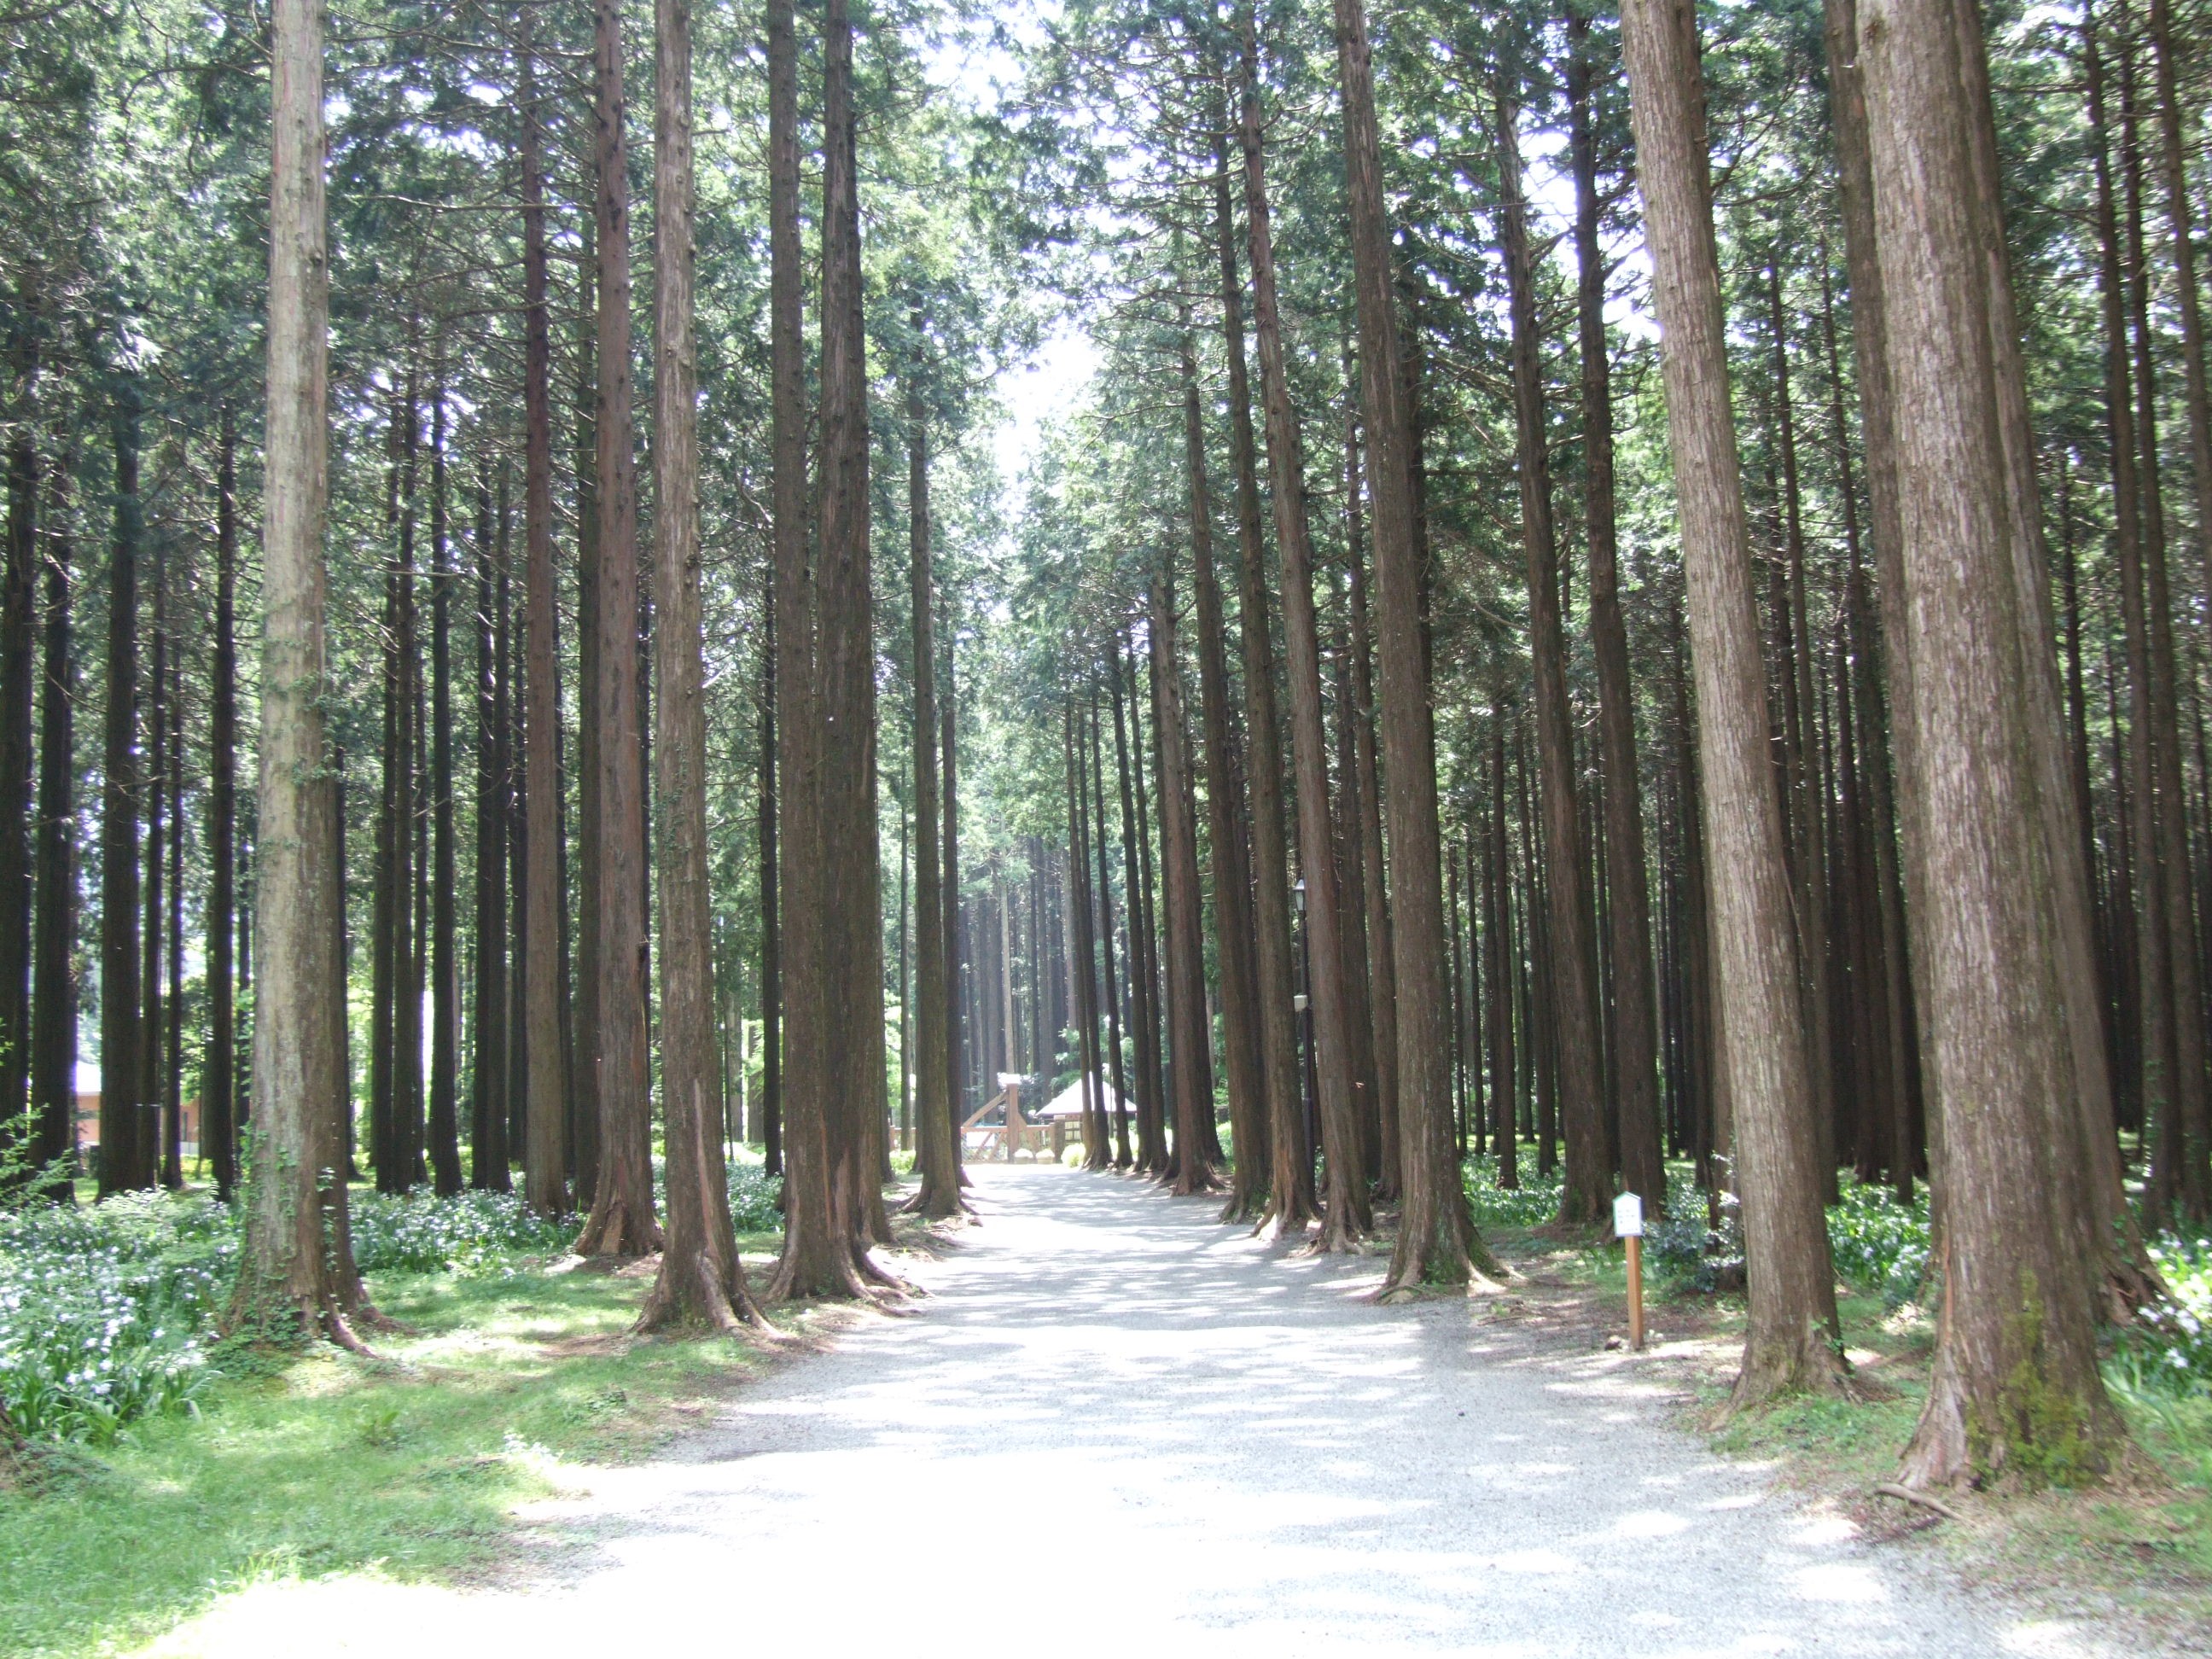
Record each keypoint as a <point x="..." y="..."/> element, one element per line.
<point x="1628" y="1227"/>
<point x="1636" y="1292"/>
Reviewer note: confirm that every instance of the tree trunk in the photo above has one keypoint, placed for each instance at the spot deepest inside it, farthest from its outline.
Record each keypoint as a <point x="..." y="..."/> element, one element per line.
<point x="123" y="1142"/>
<point x="2174" y="176"/>
<point x="1791" y="1341"/>
<point x="2168" y="804"/>
<point x="1115" y="1068"/>
<point x="622" y="1219"/>
<point x="1346" y="1217"/>
<point x="1290" y="1201"/>
<point x="445" y="945"/>
<point x="1152" y="1144"/>
<point x="541" y="969"/>
<point x="1226" y="846"/>
<point x="771" y="970"/>
<point x="937" y="1113"/>
<point x="1586" y="1194"/>
<point x="817" y="1257"/>
<point x="18" y="656"/>
<point x="1187" y="1020"/>
<point x="1628" y="940"/>
<point x="1437" y="1244"/>
<point x="700" y="1278"/>
<point x="296" y="1261"/>
<point x="487" y="1149"/>
<point x="2015" y="1387"/>
<point x="1382" y="971"/>
<point x="846" y="667"/>
<point x="153" y="1083"/>
<point x="53" y="983"/>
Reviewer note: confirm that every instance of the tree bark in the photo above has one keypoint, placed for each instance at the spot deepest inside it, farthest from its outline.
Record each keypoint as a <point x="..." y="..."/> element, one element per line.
<point x="540" y="964"/>
<point x="1628" y="914"/>
<point x="1437" y="1244"/>
<point x="295" y="1262"/>
<point x="1346" y="1217"/>
<point x="123" y="1140"/>
<point x="445" y="952"/>
<point x="1291" y="1200"/>
<point x="1586" y="1194"/>
<point x="1382" y="971"/>
<point x="817" y="1256"/>
<point x="2168" y="804"/>
<point x="1187" y="1020"/>
<point x="1228" y="849"/>
<point x="18" y="658"/>
<point x="488" y="1073"/>
<point x="2015" y="1386"/>
<point x="1791" y="1341"/>
<point x="621" y="1220"/>
<point x="937" y="1112"/>
<point x="53" y="982"/>
<point x="701" y="1280"/>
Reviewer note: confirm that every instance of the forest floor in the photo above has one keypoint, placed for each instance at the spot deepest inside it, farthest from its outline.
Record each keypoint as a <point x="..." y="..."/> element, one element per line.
<point x="1111" y="1422"/>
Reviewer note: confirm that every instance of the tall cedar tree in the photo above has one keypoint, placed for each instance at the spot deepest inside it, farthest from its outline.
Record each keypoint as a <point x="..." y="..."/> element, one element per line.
<point x="295" y="1273"/>
<point x="1345" y="1217"/>
<point x="1790" y="1344"/>
<point x="701" y="1280"/>
<point x="2015" y="1385"/>
<point x="621" y="1220"/>
<point x="1437" y="1244"/>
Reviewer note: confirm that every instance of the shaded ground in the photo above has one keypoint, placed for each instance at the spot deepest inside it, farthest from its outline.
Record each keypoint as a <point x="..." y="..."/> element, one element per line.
<point x="1114" y="1423"/>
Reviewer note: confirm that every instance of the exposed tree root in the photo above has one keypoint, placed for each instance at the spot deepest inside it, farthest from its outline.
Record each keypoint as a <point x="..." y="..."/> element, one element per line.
<point x="1907" y="1495"/>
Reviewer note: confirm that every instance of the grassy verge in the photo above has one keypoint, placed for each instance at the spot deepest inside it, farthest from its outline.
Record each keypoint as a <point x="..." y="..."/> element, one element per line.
<point x="410" y="1464"/>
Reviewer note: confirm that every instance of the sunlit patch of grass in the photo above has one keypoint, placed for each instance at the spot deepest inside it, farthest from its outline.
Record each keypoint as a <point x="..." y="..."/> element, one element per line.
<point x="412" y="1462"/>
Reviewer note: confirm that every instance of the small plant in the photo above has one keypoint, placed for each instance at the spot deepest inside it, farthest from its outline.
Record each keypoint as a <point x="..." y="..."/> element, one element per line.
<point x="380" y="1428"/>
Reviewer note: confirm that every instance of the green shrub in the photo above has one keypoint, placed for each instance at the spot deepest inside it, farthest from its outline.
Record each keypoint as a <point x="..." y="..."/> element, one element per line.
<point x="108" y="1310"/>
<point x="1879" y="1244"/>
<point x="469" y="1232"/>
<point x="105" y="1312"/>
<point x="753" y="1194"/>
<point x="1531" y="1204"/>
<point x="1686" y="1249"/>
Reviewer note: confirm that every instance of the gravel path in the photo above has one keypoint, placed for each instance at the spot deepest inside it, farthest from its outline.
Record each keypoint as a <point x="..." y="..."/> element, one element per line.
<point x="1115" y="1425"/>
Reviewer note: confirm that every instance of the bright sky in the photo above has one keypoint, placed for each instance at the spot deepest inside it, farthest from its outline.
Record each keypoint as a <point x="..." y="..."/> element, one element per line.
<point x="973" y="67"/>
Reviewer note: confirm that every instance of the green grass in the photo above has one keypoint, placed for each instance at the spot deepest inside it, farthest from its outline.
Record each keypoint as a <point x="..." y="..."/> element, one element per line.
<point x="410" y="1463"/>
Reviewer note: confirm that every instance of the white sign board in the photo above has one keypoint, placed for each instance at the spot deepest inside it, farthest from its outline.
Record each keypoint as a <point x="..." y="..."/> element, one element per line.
<point x="1628" y="1216"/>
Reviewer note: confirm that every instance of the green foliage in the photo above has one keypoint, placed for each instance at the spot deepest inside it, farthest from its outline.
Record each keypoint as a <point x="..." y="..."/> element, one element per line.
<point x="754" y="1196"/>
<point x="1879" y="1243"/>
<point x="105" y="1312"/>
<point x="1688" y="1252"/>
<point x="469" y="1232"/>
<point x="1531" y="1204"/>
<point x="2169" y="1350"/>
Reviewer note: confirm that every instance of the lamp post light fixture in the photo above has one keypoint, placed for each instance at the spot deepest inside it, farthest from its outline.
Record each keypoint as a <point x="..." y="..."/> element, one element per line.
<point x="1299" y="891"/>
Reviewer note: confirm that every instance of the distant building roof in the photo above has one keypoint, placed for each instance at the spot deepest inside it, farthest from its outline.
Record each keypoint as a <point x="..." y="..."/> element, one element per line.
<point x="1068" y="1103"/>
